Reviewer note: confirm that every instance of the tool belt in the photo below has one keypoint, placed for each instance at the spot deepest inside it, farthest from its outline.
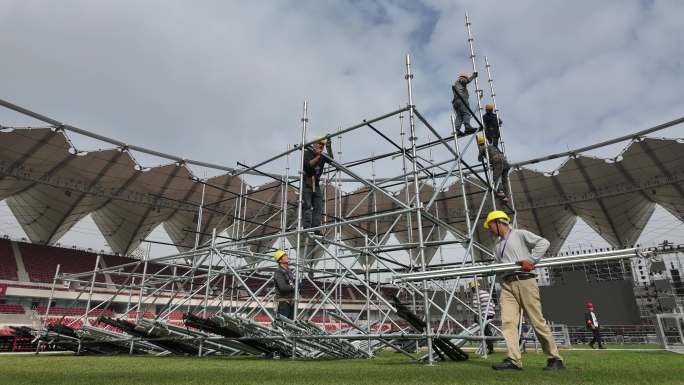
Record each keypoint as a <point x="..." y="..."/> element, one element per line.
<point x="518" y="277"/>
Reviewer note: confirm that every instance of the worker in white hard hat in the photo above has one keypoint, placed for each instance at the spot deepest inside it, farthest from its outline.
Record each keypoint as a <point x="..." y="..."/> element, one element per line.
<point x="519" y="290"/>
<point x="483" y="304"/>
<point x="491" y="124"/>
<point x="498" y="164"/>
<point x="460" y="102"/>
<point x="312" y="197"/>
<point x="284" y="285"/>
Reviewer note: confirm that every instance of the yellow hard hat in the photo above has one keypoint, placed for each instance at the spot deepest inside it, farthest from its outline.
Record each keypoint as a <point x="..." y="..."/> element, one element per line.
<point x="320" y="139"/>
<point x="463" y="75"/>
<point x="480" y="139"/>
<point x="489" y="106"/>
<point x="278" y="255"/>
<point x="494" y="215"/>
<point x="473" y="284"/>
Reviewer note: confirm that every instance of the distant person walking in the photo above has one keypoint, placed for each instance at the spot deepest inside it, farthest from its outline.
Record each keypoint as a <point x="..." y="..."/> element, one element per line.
<point x="592" y="324"/>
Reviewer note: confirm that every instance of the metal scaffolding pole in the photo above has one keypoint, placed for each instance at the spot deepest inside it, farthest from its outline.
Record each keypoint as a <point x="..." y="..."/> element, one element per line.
<point x="418" y="205"/>
<point x="478" y="94"/>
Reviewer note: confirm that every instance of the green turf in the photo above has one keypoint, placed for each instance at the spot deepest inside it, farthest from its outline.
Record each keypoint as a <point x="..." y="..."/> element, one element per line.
<point x="584" y="367"/>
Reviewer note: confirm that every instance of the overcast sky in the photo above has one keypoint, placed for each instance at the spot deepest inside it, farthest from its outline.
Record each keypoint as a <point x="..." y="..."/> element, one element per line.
<point x="224" y="81"/>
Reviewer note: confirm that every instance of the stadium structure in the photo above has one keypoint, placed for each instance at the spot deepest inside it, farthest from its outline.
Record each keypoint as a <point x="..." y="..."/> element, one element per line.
<point x="368" y="279"/>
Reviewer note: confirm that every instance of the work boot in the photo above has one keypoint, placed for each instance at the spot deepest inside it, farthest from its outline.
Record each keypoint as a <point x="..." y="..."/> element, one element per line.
<point x="460" y="133"/>
<point x="554" y="364"/>
<point x="506" y="364"/>
<point x="470" y="130"/>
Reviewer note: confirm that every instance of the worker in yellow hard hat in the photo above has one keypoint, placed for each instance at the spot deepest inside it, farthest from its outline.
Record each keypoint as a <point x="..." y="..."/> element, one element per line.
<point x="519" y="290"/>
<point x="312" y="198"/>
<point x="460" y="102"/>
<point x="491" y="124"/>
<point x="284" y="285"/>
<point x="483" y="304"/>
<point x="498" y="164"/>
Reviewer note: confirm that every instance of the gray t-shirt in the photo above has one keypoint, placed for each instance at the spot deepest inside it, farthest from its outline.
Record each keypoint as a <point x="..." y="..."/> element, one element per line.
<point x="519" y="245"/>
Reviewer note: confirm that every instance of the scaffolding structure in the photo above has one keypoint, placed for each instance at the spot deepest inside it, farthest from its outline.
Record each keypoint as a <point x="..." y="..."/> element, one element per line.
<point x="231" y="274"/>
<point x="347" y="271"/>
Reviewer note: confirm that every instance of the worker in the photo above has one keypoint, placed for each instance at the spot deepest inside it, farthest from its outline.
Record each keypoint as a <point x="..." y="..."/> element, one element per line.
<point x="498" y="165"/>
<point x="284" y="285"/>
<point x="460" y="103"/>
<point x="593" y="325"/>
<point x="519" y="290"/>
<point x="483" y="304"/>
<point x="312" y="197"/>
<point x="491" y="125"/>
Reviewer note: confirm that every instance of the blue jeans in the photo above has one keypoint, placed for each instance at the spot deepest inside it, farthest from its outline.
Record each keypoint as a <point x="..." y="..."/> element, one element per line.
<point x="312" y="207"/>
<point x="286" y="309"/>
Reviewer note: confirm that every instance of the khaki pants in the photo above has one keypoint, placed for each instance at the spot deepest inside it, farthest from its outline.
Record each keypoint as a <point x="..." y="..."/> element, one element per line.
<point x="524" y="295"/>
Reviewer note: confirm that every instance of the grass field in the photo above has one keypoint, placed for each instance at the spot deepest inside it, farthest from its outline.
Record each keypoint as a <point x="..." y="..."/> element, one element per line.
<point x="583" y="367"/>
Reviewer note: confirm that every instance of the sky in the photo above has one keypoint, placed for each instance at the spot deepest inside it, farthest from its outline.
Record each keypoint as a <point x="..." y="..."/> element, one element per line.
<point x="224" y="81"/>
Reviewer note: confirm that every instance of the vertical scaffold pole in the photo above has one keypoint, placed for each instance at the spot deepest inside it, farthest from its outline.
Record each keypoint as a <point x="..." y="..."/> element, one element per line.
<point x="419" y="207"/>
<point x="407" y="196"/>
<point x="49" y="304"/>
<point x="142" y="290"/>
<point x="478" y="92"/>
<point x="490" y="80"/>
<point x="92" y="287"/>
<point x="305" y="121"/>
<point x="209" y="277"/>
<point x="285" y="196"/>
<point x="198" y="229"/>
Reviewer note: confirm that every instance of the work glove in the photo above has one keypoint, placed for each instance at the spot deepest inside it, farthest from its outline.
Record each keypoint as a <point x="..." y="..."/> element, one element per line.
<point x="526" y="266"/>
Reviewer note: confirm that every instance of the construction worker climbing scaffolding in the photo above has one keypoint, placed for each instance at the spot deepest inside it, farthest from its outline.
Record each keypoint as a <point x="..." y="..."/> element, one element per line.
<point x="491" y="125"/>
<point x="498" y="164"/>
<point x="461" y="103"/>
<point x="312" y="197"/>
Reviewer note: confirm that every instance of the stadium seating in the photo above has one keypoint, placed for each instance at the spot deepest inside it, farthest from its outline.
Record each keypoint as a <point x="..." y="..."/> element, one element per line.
<point x="73" y="311"/>
<point x="11" y="309"/>
<point x="8" y="266"/>
<point x="41" y="261"/>
<point x="132" y="314"/>
<point x="64" y="321"/>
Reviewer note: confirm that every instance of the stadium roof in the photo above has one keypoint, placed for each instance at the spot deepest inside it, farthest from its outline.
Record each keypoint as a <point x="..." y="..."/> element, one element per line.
<point x="50" y="186"/>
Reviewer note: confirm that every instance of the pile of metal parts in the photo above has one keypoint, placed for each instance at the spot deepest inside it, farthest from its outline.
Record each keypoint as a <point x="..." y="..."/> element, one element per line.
<point x="219" y="334"/>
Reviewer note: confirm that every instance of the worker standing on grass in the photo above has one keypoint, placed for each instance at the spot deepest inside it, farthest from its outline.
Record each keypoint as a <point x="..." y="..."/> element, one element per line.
<point x="498" y="164"/>
<point x="312" y="197"/>
<point x="593" y="325"/>
<point x="460" y="103"/>
<point x="491" y="125"/>
<point x="483" y="303"/>
<point x="519" y="290"/>
<point x="284" y="285"/>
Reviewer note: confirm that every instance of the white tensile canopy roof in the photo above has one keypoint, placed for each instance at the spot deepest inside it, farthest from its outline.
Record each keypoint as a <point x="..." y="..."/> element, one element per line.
<point x="50" y="186"/>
